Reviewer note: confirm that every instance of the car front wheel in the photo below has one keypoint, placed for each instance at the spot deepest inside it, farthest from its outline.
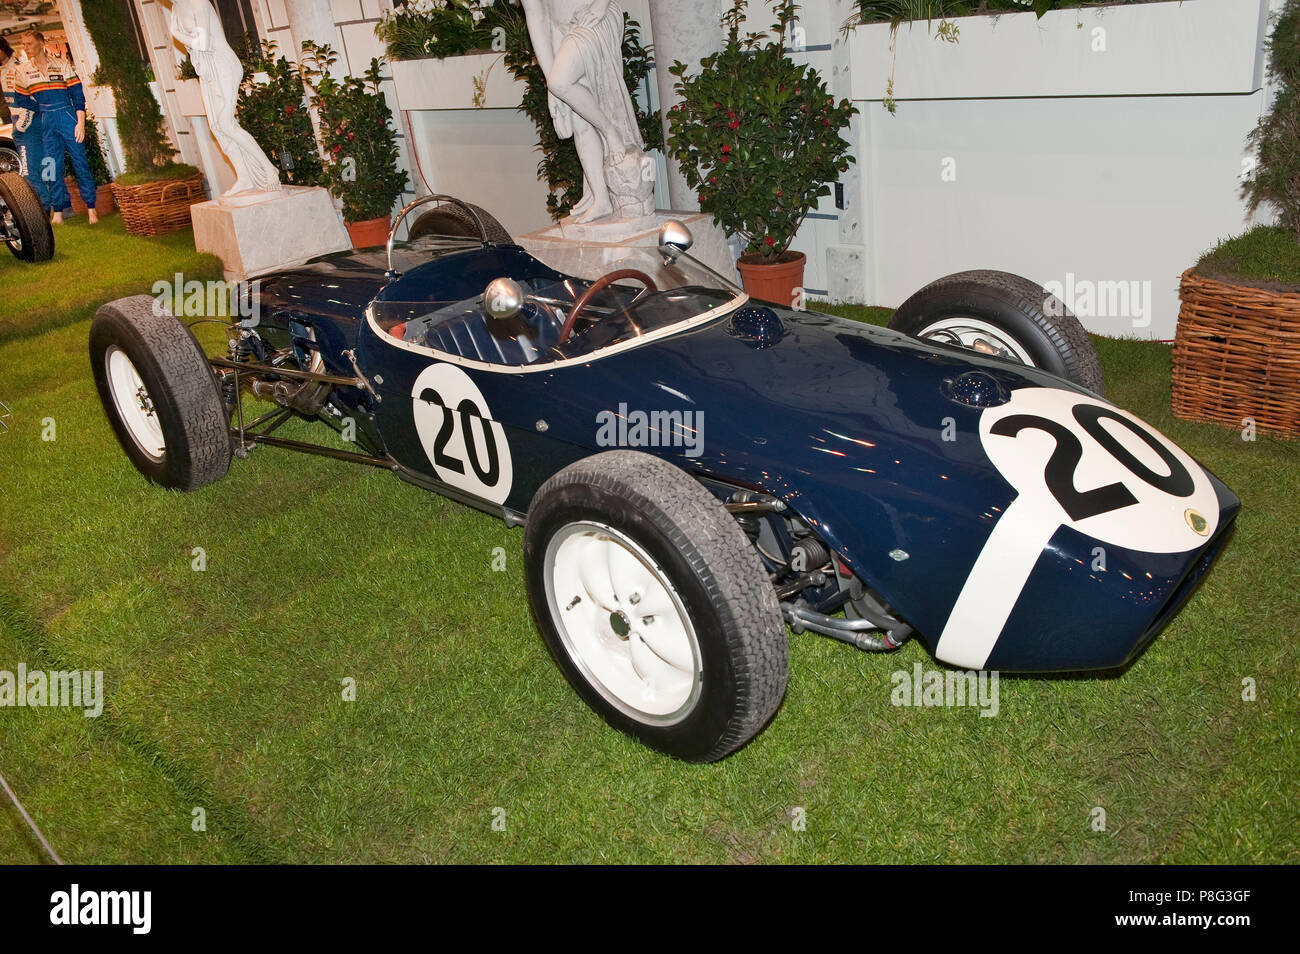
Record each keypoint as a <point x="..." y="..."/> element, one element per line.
<point x="654" y="605"/>
<point x="159" y="393"/>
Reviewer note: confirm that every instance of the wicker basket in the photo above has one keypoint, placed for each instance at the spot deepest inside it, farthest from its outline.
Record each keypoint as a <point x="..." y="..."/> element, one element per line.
<point x="1237" y="355"/>
<point x="160" y="206"/>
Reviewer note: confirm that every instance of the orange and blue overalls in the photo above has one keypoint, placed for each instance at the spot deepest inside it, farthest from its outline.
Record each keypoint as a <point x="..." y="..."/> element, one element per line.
<point x="55" y="93"/>
<point x="29" y="142"/>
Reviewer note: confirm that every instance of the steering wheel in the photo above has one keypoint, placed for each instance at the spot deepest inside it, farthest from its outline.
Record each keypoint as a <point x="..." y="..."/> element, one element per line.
<point x="598" y="286"/>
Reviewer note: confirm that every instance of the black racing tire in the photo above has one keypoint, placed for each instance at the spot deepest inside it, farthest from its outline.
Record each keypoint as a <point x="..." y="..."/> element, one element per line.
<point x="451" y="220"/>
<point x="25" y="226"/>
<point x="716" y="579"/>
<point x="181" y="393"/>
<point x="1036" y="321"/>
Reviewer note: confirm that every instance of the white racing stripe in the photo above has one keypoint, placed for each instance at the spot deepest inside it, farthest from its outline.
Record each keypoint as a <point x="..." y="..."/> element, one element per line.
<point x="994" y="584"/>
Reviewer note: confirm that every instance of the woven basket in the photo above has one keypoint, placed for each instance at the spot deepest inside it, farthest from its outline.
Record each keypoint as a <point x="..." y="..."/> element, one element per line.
<point x="1237" y="355"/>
<point x="160" y="206"/>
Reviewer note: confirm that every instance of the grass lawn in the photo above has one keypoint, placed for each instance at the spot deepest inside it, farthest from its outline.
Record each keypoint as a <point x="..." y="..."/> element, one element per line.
<point x="224" y="687"/>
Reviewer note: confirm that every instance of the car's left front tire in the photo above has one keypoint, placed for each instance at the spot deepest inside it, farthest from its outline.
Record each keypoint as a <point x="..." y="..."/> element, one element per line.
<point x="160" y="394"/>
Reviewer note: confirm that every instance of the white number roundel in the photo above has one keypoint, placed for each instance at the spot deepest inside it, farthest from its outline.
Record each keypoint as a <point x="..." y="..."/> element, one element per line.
<point x="467" y="448"/>
<point x="1087" y="464"/>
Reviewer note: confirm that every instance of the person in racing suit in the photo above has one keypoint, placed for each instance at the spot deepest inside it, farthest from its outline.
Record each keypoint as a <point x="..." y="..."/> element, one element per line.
<point x="50" y="86"/>
<point x="28" y="133"/>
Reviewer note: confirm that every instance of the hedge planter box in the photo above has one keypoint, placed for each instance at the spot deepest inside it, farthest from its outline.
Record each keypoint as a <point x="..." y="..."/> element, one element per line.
<point x="1206" y="47"/>
<point x="451" y="83"/>
<point x="1237" y="356"/>
<point x="157" y="207"/>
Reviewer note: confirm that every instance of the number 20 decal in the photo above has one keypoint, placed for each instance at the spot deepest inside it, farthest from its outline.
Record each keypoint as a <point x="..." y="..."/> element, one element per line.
<point x="1092" y="466"/>
<point x="1074" y="461"/>
<point x="467" y="449"/>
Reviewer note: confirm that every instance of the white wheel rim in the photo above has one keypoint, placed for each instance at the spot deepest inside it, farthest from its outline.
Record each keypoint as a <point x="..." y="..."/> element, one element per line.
<point x="976" y="335"/>
<point x="134" y="406"/>
<point x="623" y="623"/>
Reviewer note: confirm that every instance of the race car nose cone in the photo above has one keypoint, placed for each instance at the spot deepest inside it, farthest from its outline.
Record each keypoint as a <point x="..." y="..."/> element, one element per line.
<point x="975" y="389"/>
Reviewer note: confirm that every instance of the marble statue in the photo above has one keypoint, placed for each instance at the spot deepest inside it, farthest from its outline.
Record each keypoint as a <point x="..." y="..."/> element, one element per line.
<point x="195" y="24"/>
<point x="579" y="46"/>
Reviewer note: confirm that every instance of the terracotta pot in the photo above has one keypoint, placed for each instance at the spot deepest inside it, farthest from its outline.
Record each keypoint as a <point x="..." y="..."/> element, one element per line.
<point x="774" y="281"/>
<point x="369" y="233"/>
<point x="103" y="198"/>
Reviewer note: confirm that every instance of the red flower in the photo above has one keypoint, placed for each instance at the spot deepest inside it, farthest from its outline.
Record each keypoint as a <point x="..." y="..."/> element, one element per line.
<point x="826" y="122"/>
<point x="290" y="110"/>
<point x="717" y="105"/>
<point x="351" y="137"/>
<point x="734" y="124"/>
<point x="724" y="158"/>
<point x="703" y="197"/>
<point x="731" y="114"/>
<point x="725" y="149"/>
<point x="779" y="193"/>
<point x="770" y="241"/>
<point x="337" y="150"/>
<point x="713" y="180"/>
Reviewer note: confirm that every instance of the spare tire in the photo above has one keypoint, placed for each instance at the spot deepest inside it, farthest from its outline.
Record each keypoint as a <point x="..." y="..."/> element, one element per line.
<point x="453" y="221"/>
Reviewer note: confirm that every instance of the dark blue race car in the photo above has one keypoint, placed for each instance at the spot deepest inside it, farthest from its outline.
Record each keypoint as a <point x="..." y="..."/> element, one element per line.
<point x="695" y="470"/>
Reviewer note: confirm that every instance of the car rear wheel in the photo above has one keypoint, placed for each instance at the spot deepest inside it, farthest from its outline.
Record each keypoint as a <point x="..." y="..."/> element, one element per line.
<point x="654" y="605"/>
<point x="160" y="394"/>
<point x="1006" y="316"/>
<point x="24" y="226"/>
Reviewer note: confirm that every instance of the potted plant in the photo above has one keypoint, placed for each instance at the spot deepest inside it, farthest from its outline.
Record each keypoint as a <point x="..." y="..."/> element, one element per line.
<point x="98" y="169"/>
<point x="274" y="113"/>
<point x="1237" y="348"/>
<point x="155" y="193"/>
<point x="759" y="137"/>
<point x="360" y="145"/>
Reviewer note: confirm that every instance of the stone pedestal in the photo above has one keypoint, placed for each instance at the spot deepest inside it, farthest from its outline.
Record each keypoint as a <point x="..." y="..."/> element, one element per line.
<point x="594" y="249"/>
<point x="258" y="232"/>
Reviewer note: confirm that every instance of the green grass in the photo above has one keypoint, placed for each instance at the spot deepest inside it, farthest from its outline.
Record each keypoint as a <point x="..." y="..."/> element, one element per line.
<point x="92" y="265"/>
<point x="223" y="687"/>
<point x="1265" y="253"/>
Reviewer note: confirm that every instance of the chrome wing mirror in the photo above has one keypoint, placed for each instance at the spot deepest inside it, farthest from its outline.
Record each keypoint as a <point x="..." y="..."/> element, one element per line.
<point x="674" y="238"/>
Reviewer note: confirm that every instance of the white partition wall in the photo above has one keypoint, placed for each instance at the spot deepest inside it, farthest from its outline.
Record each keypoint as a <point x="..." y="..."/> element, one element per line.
<point x="1098" y="151"/>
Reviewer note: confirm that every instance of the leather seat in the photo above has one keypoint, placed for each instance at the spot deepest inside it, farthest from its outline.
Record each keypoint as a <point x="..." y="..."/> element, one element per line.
<point x="515" y="341"/>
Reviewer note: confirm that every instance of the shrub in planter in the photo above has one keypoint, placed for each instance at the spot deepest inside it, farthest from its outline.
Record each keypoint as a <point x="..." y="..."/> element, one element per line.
<point x="1237" y="348"/>
<point x="360" y="144"/>
<point x="759" y="137"/>
<point x="275" y="114"/>
<point x="154" y="193"/>
<point x="415" y="29"/>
